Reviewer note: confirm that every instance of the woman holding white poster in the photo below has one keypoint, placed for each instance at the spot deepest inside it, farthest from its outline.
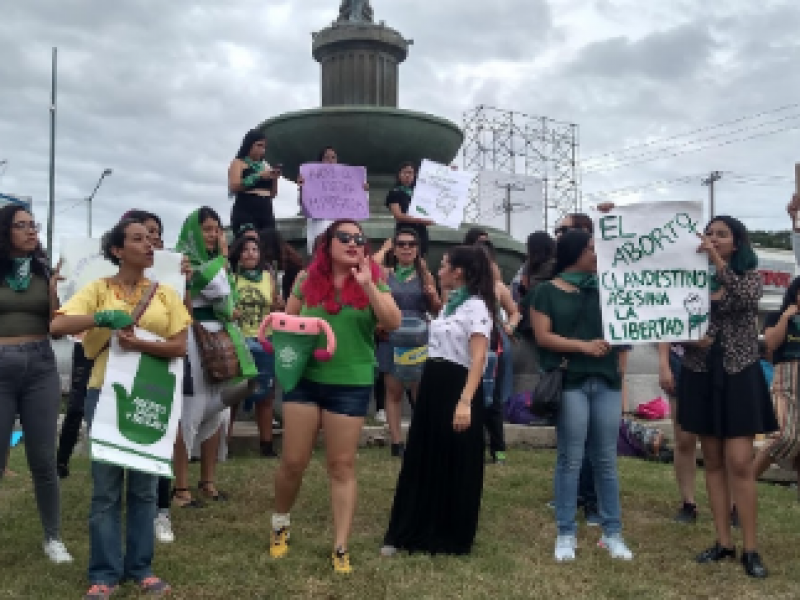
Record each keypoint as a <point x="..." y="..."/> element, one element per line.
<point x="104" y="308"/>
<point x="722" y="393"/>
<point x="568" y="327"/>
<point x="399" y="199"/>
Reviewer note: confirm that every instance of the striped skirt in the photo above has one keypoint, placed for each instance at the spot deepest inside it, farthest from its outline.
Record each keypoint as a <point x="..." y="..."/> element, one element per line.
<point x="785" y="389"/>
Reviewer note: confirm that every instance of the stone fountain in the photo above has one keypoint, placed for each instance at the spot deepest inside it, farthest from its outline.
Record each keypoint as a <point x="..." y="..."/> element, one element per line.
<point x="359" y="117"/>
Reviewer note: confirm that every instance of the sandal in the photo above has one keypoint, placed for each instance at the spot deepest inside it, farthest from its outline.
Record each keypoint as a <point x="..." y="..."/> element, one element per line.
<point x="184" y="502"/>
<point x="216" y="495"/>
<point x="153" y="586"/>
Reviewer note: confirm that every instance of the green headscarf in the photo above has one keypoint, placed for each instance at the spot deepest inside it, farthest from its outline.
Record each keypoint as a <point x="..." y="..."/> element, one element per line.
<point x="18" y="277"/>
<point x="455" y="299"/>
<point x="583" y="281"/>
<point x="206" y="266"/>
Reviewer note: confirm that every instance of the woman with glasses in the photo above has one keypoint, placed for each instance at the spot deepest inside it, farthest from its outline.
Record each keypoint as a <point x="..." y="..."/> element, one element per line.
<point x="414" y="291"/>
<point x="343" y="287"/>
<point x="29" y="381"/>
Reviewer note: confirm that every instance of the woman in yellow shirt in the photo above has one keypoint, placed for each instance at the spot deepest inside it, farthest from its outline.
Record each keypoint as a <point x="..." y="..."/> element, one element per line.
<point x="258" y="295"/>
<point x="102" y="309"/>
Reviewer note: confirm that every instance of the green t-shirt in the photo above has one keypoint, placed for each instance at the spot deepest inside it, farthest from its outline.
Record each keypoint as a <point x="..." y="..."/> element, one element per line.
<point x="562" y="308"/>
<point x="353" y="362"/>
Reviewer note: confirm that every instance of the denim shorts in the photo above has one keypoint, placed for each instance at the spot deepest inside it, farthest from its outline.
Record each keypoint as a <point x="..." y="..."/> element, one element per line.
<point x="265" y="363"/>
<point x="348" y="400"/>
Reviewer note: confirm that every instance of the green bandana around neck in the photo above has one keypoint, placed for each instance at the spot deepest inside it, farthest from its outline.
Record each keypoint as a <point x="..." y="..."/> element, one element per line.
<point x="402" y="274"/>
<point x="404" y="188"/>
<point x="254" y="164"/>
<point x="581" y="280"/>
<point x="254" y="275"/>
<point x="19" y="277"/>
<point x="455" y="299"/>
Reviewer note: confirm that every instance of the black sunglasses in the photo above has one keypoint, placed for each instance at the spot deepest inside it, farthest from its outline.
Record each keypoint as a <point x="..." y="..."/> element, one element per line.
<point x="565" y="228"/>
<point x="406" y="244"/>
<point x="346" y="238"/>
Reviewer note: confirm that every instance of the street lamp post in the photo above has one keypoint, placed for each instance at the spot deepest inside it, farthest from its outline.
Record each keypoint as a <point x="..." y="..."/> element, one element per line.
<point x="105" y="174"/>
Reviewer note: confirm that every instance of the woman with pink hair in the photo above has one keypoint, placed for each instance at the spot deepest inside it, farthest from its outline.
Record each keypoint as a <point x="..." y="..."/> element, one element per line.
<point x="343" y="286"/>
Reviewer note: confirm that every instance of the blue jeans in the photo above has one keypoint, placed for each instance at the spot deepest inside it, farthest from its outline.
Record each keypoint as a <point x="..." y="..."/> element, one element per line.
<point x="106" y="563"/>
<point x="588" y="420"/>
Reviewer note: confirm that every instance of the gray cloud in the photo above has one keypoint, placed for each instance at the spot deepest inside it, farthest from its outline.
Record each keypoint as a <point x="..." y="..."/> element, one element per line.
<point x="163" y="92"/>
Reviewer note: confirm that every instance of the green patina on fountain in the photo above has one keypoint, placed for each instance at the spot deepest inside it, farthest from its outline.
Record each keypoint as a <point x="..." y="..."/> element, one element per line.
<point x="359" y="117"/>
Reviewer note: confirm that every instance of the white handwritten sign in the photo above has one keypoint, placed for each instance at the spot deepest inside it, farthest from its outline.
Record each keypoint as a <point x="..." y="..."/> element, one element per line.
<point x="653" y="282"/>
<point x="441" y="194"/>
<point x="333" y="191"/>
<point x="83" y="263"/>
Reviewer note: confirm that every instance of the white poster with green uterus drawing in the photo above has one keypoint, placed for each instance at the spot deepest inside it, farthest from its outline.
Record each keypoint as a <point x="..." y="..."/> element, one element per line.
<point x="136" y="420"/>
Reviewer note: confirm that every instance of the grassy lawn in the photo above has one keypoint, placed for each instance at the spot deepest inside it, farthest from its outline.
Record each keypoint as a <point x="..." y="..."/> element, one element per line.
<point x="221" y="550"/>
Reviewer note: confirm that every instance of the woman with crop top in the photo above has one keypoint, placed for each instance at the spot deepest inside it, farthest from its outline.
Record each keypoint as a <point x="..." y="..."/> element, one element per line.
<point x="253" y="184"/>
<point x="438" y="497"/>
<point x="342" y="287"/>
<point x="101" y="309"/>
<point x="29" y="381"/>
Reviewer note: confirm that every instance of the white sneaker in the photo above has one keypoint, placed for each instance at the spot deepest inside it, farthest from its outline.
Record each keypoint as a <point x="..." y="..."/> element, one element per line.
<point x="380" y="416"/>
<point x="56" y="551"/>
<point x="616" y="547"/>
<point x="163" y="529"/>
<point x="565" y="547"/>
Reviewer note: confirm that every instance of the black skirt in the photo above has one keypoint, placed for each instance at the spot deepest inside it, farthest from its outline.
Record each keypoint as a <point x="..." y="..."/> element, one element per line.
<point x="438" y="496"/>
<point x="725" y="405"/>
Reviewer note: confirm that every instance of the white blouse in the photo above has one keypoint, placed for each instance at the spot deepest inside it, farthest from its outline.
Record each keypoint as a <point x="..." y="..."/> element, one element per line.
<point x="449" y="336"/>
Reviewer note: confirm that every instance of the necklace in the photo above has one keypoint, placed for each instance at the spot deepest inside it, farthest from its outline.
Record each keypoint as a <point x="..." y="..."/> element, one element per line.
<point x="128" y="294"/>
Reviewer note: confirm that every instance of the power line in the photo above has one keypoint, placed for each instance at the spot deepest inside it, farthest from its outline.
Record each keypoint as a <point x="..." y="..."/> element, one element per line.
<point x="701" y="148"/>
<point x="645" y="186"/>
<point x="695" y="131"/>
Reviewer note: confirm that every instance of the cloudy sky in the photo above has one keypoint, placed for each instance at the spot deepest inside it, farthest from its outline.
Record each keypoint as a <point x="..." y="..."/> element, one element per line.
<point x="161" y="92"/>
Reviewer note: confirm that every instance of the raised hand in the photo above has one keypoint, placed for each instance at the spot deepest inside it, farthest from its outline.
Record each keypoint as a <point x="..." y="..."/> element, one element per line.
<point x="362" y="272"/>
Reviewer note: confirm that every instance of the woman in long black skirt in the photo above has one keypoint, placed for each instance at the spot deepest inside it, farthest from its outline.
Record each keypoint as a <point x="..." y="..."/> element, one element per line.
<point x="722" y="393"/>
<point x="438" y="494"/>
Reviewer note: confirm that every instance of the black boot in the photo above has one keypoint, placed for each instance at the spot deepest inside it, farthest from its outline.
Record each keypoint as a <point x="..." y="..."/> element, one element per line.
<point x="398" y="450"/>
<point x="751" y="561"/>
<point x="715" y="554"/>
<point x="267" y="450"/>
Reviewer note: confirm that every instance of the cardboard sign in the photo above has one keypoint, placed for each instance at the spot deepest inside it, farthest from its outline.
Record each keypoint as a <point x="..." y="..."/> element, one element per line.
<point x="334" y="191"/>
<point x="441" y="194"/>
<point x="654" y="285"/>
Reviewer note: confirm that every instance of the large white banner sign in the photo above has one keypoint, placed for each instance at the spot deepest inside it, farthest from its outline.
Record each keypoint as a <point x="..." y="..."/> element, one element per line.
<point x="654" y="285"/>
<point x="441" y="194"/>
<point x="83" y="263"/>
<point x="136" y="420"/>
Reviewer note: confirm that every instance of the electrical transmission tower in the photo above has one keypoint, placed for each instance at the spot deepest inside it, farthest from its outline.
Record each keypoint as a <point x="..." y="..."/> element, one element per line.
<point x="516" y="143"/>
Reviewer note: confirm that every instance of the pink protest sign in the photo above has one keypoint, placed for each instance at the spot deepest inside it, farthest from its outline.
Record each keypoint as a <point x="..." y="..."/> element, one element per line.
<point x="333" y="191"/>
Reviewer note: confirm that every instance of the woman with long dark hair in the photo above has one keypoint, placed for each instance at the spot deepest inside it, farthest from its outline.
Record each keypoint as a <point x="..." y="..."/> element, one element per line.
<point x="438" y="497"/>
<point x="252" y="183"/>
<point x="722" y="393"/>
<point x="29" y="381"/>
<point x="782" y="337"/>
<point x="399" y="199"/>
<point x="285" y="261"/>
<point x="538" y="267"/>
<point x="567" y="323"/>
<point x="101" y="309"/>
<point x="343" y="287"/>
<point x="414" y="291"/>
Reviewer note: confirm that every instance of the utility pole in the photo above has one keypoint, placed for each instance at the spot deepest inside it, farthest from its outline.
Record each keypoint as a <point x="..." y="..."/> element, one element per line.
<point x="507" y="205"/>
<point x="712" y="178"/>
<point x="106" y="173"/>
<point x="51" y="205"/>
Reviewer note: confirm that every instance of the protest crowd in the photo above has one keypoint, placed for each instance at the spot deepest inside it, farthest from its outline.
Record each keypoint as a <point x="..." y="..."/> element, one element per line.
<point x="159" y="367"/>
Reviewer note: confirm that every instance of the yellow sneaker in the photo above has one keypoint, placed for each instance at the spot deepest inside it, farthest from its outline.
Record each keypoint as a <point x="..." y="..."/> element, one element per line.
<point x="279" y="542"/>
<point x="341" y="561"/>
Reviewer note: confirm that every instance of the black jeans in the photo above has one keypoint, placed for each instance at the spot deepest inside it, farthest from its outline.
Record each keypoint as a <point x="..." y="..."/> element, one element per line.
<point x="71" y="427"/>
